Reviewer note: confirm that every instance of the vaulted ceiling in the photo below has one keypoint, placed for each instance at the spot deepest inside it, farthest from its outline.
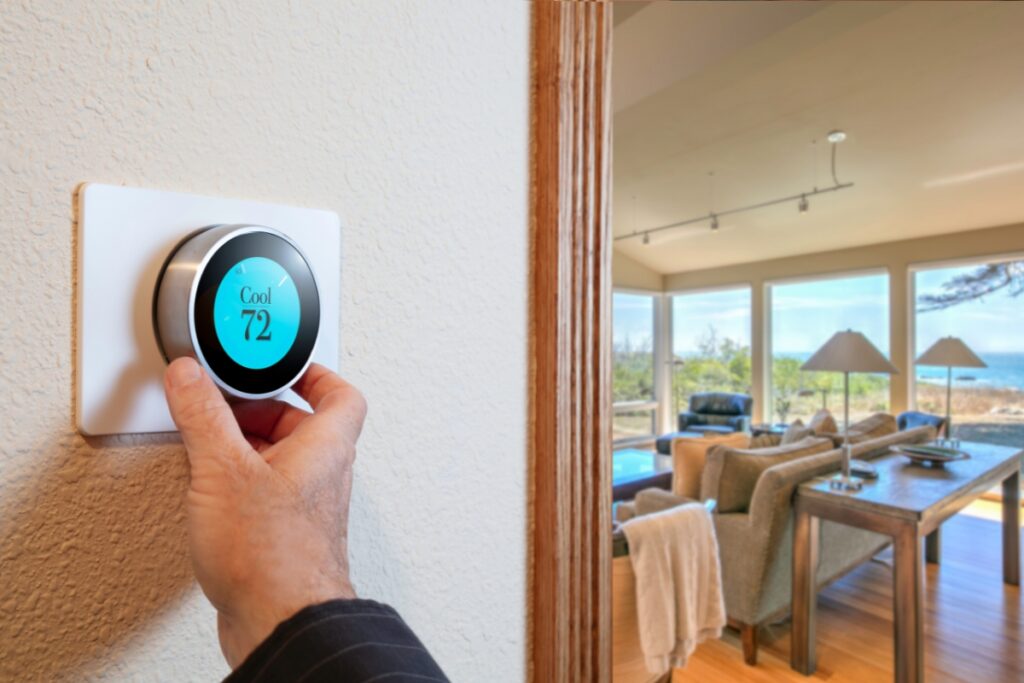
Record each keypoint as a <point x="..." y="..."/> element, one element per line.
<point x="931" y="96"/>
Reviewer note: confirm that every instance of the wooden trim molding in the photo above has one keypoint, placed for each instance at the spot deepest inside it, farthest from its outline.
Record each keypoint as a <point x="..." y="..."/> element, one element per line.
<point x="570" y="342"/>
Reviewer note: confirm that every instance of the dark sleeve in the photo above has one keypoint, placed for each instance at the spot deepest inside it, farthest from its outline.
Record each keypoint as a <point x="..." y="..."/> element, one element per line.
<point x="341" y="641"/>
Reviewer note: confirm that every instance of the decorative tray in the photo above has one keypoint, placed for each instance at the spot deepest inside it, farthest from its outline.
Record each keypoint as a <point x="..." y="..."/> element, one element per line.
<point x="934" y="455"/>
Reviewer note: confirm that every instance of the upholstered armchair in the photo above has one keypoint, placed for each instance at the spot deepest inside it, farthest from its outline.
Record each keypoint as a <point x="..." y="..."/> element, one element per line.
<point x="753" y="490"/>
<point x="912" y="418"/>
<point x="714" y="411"/>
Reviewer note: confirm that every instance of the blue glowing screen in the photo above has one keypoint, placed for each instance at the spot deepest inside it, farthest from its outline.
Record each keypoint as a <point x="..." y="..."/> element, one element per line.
<point x="256" y="312"/>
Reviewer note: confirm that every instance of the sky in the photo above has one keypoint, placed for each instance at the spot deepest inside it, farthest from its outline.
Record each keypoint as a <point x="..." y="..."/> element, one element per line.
<point x="806" y="314"/>
<point x="693" y="316"/>
<point x="632" y="320"/>
<point x="992" y="324"/>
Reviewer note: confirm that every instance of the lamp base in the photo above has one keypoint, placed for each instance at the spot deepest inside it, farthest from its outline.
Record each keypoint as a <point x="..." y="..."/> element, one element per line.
<point x="841" y="483"/>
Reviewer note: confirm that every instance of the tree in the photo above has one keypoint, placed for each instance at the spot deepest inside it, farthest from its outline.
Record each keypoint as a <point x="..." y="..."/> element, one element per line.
<point x="720" y="364"/>
<point x="633" y="370"/>
<point x="984" y="280"/>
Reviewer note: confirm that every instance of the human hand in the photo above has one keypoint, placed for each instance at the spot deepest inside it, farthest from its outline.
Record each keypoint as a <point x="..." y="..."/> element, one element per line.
<point x="268" y="498"/>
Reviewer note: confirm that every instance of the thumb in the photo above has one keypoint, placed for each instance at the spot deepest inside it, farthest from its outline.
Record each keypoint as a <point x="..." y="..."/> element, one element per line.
<point x="203" y="417"/>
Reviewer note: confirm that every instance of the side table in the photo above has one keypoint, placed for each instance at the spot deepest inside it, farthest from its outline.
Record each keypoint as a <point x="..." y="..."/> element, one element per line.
<point x="906" y="502"/>
<point x="762" y="429"/>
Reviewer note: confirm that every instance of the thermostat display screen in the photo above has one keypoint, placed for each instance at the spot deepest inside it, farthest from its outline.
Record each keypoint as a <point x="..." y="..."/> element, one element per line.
<point x="256" y="312"/>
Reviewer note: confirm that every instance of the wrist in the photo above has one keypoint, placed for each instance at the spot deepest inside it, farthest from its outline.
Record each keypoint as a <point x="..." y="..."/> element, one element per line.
<point x="243" y="630"/>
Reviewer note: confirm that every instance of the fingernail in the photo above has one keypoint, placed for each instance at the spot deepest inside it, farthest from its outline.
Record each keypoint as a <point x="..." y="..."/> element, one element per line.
<point x="183" y="371"/>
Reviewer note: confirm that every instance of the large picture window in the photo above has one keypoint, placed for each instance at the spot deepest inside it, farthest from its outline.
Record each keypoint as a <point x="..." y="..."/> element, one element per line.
<point x="710" y="344"/>
<point x="633" y="393"/>
<point x="980" y="304"/>
<point x="804" y="315"/>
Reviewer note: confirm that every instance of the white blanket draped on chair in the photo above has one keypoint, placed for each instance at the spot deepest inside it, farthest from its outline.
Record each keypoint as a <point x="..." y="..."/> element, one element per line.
<point x="674" y="555"/>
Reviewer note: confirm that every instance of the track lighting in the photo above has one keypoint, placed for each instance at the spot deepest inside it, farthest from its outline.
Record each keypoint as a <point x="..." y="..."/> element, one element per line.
<point x="803" y="203"/>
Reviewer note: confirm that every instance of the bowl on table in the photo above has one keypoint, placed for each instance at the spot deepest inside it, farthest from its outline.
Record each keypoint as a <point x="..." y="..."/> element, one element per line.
<point x="936" y="456"/>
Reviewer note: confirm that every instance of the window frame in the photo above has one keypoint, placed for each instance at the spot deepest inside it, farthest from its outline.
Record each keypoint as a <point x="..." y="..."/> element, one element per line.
<point x="656" y="402"/>
<point x="570" y="465"/>
<point x="670" y="295"/>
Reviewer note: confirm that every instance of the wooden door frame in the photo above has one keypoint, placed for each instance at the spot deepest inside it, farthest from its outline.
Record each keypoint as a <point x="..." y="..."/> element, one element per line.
<point x="570" y="343"/>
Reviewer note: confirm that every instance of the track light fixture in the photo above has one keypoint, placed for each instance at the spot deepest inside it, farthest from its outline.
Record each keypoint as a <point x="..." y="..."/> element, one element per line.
<point x="834" y="137"/>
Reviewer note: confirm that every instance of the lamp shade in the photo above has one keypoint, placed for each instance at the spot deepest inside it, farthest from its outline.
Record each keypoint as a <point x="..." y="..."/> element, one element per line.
<point x="849" y="351"/>
<point x="950" y="352"/>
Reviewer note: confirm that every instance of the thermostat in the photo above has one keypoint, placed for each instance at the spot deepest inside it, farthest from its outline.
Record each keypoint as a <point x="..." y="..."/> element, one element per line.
<point x="243" y="301"/>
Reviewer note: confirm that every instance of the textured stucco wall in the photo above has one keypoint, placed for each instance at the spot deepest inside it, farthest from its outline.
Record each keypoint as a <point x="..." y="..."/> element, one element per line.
<point x="409" y="119"/>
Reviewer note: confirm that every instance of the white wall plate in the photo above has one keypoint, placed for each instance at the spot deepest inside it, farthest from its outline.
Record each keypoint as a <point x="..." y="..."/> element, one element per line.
<point x="124" y="236"/>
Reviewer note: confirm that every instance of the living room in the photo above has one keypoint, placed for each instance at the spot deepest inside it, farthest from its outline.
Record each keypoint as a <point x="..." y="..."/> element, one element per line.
<point x="818" y="229"/>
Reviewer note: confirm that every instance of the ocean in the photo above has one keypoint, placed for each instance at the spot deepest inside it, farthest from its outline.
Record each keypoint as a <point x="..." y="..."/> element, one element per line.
<point x="1004" y="371"/>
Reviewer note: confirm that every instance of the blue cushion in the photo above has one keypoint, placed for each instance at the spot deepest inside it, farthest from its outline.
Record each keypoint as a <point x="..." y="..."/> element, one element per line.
<point x="718" y="429"/>
<point x="664" y="443"/>
<point x="912" y="419"/>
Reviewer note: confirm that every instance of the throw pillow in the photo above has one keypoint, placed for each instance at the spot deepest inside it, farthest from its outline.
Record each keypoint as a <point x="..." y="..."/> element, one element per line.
<point x="823" y="423"/>
<point x="765" y="441"/>
<point x="731" y="474"/>
<point x="795" y="432"/>
<point x="688" y="455"/>
<point x="877" y="446"/>
<point x="879" y="424"/>
<point x="653" y="500"/>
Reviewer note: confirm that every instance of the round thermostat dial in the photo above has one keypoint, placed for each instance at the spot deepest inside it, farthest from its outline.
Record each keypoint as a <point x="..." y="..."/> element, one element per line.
<point x="243" y="301"/>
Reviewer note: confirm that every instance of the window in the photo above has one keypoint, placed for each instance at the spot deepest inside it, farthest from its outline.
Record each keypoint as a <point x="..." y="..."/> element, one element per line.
<point x="633" y="334"/>
<point x="804" y="315"/>
<point x="710" y="344"/>
<point x="988" y="403"/>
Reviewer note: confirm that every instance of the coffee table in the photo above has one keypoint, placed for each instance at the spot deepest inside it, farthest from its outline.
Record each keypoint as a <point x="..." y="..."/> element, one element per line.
<point x="906" y="502"/>
<point x="634" y="470"/>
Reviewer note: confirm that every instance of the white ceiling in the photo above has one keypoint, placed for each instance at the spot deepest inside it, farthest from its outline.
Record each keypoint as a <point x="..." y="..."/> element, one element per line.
<point x="930" y="94"/>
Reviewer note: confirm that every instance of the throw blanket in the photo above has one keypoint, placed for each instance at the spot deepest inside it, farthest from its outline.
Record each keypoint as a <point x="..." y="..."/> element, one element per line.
<point x="678" y="583"/>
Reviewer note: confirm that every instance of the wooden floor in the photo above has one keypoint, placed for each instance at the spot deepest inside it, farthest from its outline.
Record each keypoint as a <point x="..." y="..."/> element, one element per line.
<point x="973" y="621"/>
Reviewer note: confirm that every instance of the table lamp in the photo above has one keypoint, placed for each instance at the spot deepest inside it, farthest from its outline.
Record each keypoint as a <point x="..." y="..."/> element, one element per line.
<point x="848" y="352"/>
<point x="950" y="352"/>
